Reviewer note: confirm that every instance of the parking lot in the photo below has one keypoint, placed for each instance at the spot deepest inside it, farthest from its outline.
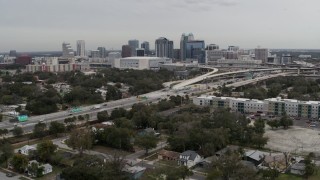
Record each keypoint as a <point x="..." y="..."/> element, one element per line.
<point x="297" y="139"/>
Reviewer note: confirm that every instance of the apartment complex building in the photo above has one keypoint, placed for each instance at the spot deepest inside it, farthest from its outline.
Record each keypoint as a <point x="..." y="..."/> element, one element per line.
<point x="274" y="106"/>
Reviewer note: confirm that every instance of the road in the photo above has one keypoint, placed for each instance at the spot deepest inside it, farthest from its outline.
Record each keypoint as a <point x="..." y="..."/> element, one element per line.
<point x="126" y="103"/>
<point x="250" y="81"/>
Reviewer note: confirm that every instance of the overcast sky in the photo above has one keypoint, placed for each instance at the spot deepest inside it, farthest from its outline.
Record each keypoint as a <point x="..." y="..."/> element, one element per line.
<point x="38" y="25"/>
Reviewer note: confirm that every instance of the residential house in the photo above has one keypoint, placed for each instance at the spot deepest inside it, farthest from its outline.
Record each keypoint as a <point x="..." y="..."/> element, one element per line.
<point x="47" y="168"/>
<point x="298" y="168"/>
<point x="254" y="156"/>
<point x="26" y="150"/>
<point x="168" y="155"/>
<point x="189" y="158"/>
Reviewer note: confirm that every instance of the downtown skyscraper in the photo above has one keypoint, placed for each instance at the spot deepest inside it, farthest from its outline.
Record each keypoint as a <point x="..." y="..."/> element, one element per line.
<point x="183" y="45"/>
<point x="81" y="49"/>
<point x="134" y="44"/>
<point x="164" y="47"/>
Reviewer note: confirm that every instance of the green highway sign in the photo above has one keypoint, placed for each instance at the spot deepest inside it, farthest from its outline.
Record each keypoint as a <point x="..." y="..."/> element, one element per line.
<point x="75" y="110"/>
<point x="23" y="118"/>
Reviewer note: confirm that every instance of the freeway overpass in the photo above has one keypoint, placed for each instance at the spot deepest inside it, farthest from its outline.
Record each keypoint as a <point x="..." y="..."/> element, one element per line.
<point x="212" y="75"/>
<point x="251" y="81"/>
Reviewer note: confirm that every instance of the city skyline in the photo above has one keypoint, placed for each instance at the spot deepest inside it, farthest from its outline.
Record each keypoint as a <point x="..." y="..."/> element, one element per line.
<point x="39" y="26"/>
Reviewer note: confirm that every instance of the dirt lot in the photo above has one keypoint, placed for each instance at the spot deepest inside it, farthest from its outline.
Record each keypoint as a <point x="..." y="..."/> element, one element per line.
<point x="295" y="140"/>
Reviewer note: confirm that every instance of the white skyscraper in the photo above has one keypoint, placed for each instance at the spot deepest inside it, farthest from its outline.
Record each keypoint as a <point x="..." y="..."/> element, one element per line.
<point x="81" y="50"/>
<point x="67" y="51"/>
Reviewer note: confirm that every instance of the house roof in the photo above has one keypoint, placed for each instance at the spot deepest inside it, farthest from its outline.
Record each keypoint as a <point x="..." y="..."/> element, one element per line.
<point x="255" y="155"/>
<point x="274" y="158"/>
<point x="33" y="161"/>
<point x="27" y="147"/>
<point x="170" y="154"/>
<point x="192" y="154"/>
<point x="47" y="166"/>
<point x="299" y="166"/>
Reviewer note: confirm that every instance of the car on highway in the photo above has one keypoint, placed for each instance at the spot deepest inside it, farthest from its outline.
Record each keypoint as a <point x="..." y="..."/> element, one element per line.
<point x="9" y="174"/>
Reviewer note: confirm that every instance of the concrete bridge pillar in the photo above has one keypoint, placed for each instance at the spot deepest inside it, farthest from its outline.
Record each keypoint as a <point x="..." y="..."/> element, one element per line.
<point x="298" y="70"/>
<point x="314" y="72"/>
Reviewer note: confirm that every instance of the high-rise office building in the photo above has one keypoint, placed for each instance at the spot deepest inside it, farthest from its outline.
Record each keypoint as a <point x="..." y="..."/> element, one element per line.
<point x="81" y="50"/>
<point x="13" y="53"/>
<point x="183" y="44"/>
<point x="67" y="51"/>
<point x="134" y="44"/>
<point x="145" y="45"/>
<point x="196" y="50"/>
<point x="213" y="54"/>
<point x="126" y="51"/>
<point x="286" y="59"/>
<point x="212" y="47"/>
<point x="102" y="52"/>
<point x="233" y="48"/>
<point x="261" y="54"/>
<point x="164" y="47"/>
<point x="176" y="54"/>
<point x="140" y="52"/>
<point x="95" y="54"/>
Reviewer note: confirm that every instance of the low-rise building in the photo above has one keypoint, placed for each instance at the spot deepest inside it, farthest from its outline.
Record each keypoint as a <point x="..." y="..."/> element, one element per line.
<point x="272" y="106"/>
<point x="140" y="63"/>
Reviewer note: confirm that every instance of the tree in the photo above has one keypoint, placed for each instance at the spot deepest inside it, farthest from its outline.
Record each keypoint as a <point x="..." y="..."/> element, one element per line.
<point x="94" y="168"/>
<point x="113" y="93"/>
<point x="19" y="162"/>
<point x="1" y="117"/>
<point x="259" y="126"/>
<point x="80" y="118"/>
<point x="271" y="174"/>
<point x="273" y="123"/>
<point x="45" y="149"/>
<point x="56" y="128"/>
<point x="34" y="170"/>
<point x="3" y="132"/>
<point x="87" y="117"/>
<point x="258" y="140"/>
<point x="184" y="172"/>
<point x="17" y="131"/>
<point x="102" y="116"/>
<point x="70" y="120"/>
<point x="118" y="113"/>
<point x="81" y="140"/>
<point x="285" y="121"/>
<point x="6" y="152"/>
<point x="310" y="167"/>
<point x="119" y="138"/>
<point x="39" y="130"/>
<point x="147" y="141"/>
<point x="228" y="167"/>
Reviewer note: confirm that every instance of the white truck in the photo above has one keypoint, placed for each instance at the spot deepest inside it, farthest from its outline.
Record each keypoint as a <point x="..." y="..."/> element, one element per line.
<point x="96" y="107"/>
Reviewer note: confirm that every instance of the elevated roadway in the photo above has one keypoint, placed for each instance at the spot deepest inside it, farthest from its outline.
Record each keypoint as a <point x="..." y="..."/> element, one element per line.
<point x="213" y="75"/>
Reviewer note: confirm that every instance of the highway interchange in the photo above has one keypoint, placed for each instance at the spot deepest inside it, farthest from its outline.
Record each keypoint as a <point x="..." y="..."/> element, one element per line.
<point x="181" y="88"/>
